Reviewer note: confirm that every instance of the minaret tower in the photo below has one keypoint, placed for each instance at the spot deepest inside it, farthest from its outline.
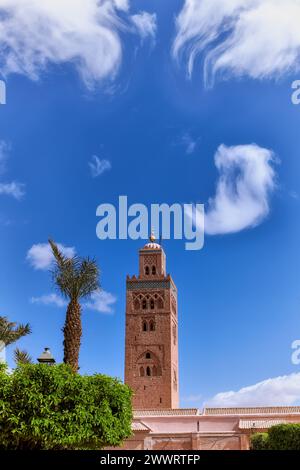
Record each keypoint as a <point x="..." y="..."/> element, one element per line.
<point x="151" y="343"/>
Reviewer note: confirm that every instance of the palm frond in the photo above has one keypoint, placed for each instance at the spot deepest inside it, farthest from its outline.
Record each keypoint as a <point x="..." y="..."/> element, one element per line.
<point x="75" y="277"/>
<point x="22" y="357"/>
<point x="10" y="332"/>
<point x="58" y="255"/>
<point x="88" y="277"/>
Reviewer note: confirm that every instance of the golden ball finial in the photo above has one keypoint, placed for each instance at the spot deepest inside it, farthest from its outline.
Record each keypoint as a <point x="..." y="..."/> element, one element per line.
<point x="152" y="236"/>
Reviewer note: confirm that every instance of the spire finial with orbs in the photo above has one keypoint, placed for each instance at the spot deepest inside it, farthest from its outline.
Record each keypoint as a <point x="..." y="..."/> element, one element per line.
<point x="152" y="236"/>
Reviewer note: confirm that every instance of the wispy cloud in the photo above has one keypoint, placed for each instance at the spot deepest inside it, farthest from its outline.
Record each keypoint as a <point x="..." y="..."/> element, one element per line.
<point x="145" y="24"/>
<point x="189" y="143"/>
<point x="49" y="299"/>
<point x="282" y="390"/>
<point x="40" y="255"/>
<point x="98" y="166"/>
<point x="294" y="195"/>
<point x="100" y="301"/>
<point x="245" y="184"/>
<point x="246" y="180"/>
<point x="255" y="38"/>
<point x="85" y="33"/>
<point x="13" y="188"/>
<point x="4" y="150"/>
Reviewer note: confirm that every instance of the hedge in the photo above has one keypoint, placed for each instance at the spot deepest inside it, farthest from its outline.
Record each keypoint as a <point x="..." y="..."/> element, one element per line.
<point x="279" y="437"/>
<point x="51" y="407"/>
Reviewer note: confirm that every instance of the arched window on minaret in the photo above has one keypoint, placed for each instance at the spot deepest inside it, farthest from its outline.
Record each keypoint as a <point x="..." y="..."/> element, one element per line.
<point x="153" y="270"/>
<point x="160" y="303"/>
<point x="145" y="326"/>
<point x="150" y="364"/>
<point x="152" y="304"/>
<point x="144" y="304"/>
<point x="152" y="326"/>
<point x="142" y="372"/>
<point x="147" y="270"/>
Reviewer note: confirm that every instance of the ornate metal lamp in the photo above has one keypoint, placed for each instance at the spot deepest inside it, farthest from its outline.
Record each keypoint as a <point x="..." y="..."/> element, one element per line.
<point x="46" y="357"/>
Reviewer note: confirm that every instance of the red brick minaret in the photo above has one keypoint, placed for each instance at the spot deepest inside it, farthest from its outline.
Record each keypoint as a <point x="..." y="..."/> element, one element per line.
<point x="151" y="344"/>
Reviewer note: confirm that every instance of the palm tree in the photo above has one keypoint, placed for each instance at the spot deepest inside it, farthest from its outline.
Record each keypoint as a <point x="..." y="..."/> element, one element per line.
<point x="10" y="332"/>
<point x="76" y="278"/>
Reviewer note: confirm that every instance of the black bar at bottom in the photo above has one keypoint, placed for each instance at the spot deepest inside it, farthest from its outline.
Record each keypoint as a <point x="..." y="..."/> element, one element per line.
<point x="137" y="459"/>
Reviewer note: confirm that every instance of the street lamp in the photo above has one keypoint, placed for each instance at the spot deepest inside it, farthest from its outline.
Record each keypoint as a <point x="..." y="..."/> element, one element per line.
<point x="46" y="357"/>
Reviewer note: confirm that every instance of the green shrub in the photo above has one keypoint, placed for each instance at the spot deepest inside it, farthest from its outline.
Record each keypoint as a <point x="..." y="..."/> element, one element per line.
<point x="51" y="407"/>
<point x="259" y="441"/>
<point x="280" y="437"/>
<point x="285" y="437"/>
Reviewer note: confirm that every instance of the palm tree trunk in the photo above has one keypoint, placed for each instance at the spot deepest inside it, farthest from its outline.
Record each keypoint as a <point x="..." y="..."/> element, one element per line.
<point x="72" y="335"/>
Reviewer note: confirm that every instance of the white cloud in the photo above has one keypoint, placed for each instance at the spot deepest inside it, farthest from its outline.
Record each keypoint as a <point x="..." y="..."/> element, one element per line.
<point x="246" y="180"/>
<point x="294" y="195"/>
<point x="101" y="301"/>
<point x="85" y="33"/>
<point x="282" y="390"/>
<point x="189" y="143"/>
<point x="40" y="255"/>
<point x="49" y="299"/>
<point x="13" y="189"/>
<point x="4" y="149"/>
<point x="98" y="166"/>
<point x="255" y="38"/>
<point x="145" y="24"/>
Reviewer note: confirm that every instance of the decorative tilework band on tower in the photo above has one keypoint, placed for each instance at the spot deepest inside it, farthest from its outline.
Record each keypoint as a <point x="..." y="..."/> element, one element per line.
<point x="151" y="344"/>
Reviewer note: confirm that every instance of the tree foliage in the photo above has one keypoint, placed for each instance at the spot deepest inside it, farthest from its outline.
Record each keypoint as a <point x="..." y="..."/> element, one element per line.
<point x="51" y="407"/>
<point x="279" y="437"/>
<point x="259" y="441"/>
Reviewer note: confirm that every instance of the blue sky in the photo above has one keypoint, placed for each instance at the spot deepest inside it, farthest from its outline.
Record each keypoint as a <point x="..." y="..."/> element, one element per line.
<point x="157" y="130"/>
